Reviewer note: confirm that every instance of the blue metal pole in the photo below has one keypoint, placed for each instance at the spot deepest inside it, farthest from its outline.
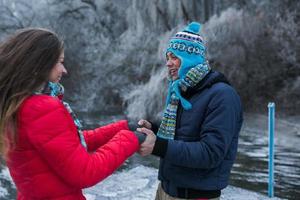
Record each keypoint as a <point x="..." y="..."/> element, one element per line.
<point x="271" y="126"/>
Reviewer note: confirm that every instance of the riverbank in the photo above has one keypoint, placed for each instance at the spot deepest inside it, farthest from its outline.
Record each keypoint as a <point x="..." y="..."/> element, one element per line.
<point x="250" y="170"/>
<point x="140" y="183"/>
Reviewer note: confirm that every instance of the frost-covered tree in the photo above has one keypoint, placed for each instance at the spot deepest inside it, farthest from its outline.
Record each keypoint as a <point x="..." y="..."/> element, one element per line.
<point x="113" y="47"/>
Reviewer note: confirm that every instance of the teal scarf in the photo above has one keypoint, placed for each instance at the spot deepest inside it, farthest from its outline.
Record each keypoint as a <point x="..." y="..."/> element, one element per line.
<point x="190" y="80"/>
<point x="57" y="90"/>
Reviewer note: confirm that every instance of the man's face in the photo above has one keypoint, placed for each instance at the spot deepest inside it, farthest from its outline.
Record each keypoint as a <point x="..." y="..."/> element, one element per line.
<point x="173" y="65"/>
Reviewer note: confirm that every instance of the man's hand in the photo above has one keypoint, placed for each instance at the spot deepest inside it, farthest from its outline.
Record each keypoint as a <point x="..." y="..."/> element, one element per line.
<point x="145" y="123"/>
<point x="147" y="146"/>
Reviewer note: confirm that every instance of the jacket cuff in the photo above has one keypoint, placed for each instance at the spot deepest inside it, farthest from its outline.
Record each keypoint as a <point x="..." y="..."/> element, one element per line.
<point x="154" y="127"/>
<point x="160" y="147"/>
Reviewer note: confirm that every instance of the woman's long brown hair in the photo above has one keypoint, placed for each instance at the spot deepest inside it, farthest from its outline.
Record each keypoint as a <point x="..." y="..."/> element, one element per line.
<point x="26" y="59"/>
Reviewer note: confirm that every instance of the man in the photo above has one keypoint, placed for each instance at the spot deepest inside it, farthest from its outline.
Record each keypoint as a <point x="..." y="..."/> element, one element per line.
<point x="198" y="136"/>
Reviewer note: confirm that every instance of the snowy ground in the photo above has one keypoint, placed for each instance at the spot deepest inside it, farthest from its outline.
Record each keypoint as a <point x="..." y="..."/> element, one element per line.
<point x="4" y="175"/>
<point x="137" y="179"/>
<point x="140" y="183"/>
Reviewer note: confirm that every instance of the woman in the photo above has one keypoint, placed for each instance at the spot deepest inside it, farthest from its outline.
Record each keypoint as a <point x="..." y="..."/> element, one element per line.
<point x="47" y="153"/>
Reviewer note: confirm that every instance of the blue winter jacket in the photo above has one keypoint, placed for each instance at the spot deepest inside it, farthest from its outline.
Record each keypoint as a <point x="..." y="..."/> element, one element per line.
<point x="206" y="138"/>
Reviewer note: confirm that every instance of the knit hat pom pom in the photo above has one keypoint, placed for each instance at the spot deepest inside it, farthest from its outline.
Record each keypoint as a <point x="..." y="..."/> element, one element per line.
<point x="193" y="27"/>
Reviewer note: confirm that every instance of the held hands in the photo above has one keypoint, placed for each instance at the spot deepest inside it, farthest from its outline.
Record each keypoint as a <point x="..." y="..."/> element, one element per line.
<point x="145" y="136"/>
<point x="147" y="146"/>
<point x="144" y="123"/>
<point x="141" y="123"/>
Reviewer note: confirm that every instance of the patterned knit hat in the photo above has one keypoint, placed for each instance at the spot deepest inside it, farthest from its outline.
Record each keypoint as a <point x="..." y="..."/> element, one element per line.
<point x="188" y="46"/>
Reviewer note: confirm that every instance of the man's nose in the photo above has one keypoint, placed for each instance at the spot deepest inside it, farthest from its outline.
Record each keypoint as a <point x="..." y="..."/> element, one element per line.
<point x="65" y="71"/>
<point x="169" y="63"/>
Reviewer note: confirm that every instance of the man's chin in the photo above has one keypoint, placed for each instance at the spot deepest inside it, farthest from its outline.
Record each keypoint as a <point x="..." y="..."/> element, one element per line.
<point x="174" y="78"/>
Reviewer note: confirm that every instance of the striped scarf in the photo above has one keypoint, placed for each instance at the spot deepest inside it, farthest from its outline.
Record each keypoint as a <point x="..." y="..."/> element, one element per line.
<point x="191" y="79"/>
<point x="57" y="90"/>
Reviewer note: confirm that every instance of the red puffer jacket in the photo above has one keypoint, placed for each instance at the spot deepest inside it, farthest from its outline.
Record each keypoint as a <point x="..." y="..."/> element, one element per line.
<point x="49" y="162"/>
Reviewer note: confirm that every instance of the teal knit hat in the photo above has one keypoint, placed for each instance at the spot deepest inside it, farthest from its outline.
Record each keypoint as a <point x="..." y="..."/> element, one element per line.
<point x="188" y="46"/>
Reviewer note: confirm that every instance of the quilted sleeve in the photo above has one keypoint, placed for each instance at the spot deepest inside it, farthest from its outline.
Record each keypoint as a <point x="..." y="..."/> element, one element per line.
<point x="53" y="134"/>
<point x="97" y="137"/>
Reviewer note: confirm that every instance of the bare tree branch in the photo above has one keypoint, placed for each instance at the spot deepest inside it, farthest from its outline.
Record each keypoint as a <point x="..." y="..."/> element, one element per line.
<point x="75" y="12"/>
<point x="91" y="3"/>
<point x="164" y="17"/>
<point x="185" y="13"/>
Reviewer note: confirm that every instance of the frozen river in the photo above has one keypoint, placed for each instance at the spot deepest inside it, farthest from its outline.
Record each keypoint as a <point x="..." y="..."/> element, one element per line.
<point x="137" y="178"/>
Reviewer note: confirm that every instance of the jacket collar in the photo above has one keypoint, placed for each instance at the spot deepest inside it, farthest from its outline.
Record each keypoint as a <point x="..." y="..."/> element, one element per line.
<point x="211" y="78"/>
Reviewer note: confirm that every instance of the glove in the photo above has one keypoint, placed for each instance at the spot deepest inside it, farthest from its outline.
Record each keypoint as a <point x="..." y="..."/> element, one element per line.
<point x="141" y="136"/>
<point x="132" y="125"/>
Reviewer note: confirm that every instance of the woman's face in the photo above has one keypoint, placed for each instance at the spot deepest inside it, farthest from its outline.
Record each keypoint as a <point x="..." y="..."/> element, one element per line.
<point x="58" y="70"/>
